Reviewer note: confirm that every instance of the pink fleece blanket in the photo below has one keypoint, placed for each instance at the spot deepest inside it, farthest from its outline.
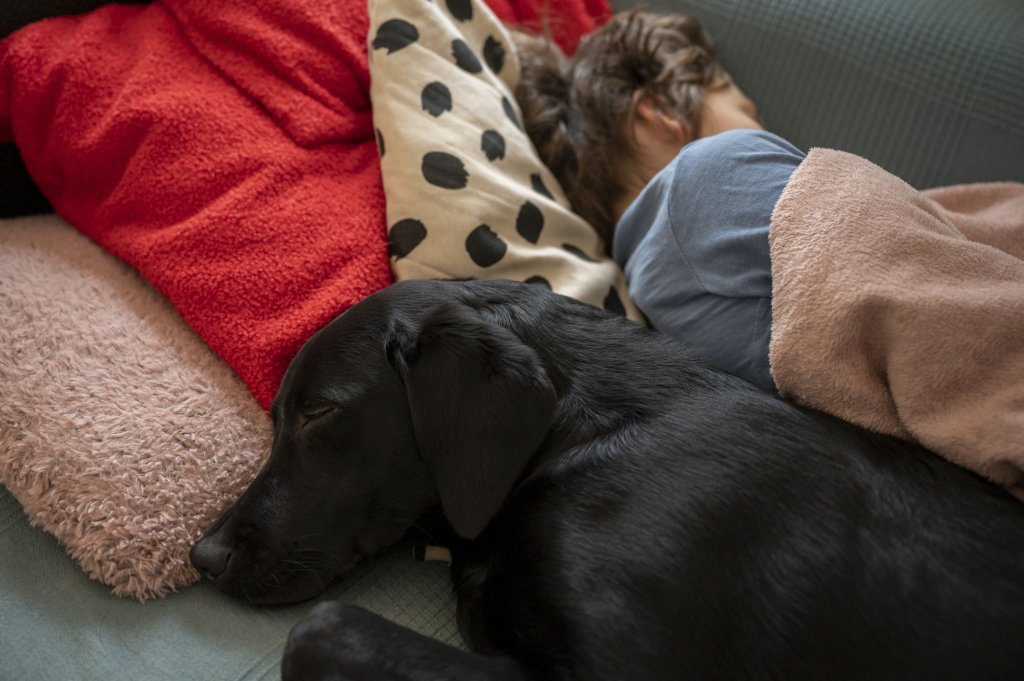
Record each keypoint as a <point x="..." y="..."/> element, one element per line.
<point x="903" y="311"/>
<point x="226" y="151"/>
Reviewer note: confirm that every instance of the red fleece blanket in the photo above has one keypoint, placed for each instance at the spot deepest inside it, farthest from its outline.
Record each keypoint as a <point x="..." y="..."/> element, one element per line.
<point x="226" y="152"/>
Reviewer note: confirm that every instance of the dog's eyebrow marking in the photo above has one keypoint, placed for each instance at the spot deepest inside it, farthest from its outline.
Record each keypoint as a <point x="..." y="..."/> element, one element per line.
<point x="335" y="394"/>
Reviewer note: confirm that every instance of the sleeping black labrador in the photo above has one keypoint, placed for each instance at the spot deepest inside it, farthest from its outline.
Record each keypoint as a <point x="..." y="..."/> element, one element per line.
<point x="623" y="512"/>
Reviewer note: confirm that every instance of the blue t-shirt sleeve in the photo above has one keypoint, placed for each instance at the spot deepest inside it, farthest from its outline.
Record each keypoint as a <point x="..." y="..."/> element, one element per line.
<point x="694" y="246"/>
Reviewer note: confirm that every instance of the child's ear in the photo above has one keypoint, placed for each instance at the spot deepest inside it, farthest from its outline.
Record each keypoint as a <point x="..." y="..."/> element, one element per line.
<point x="655" y="122"/>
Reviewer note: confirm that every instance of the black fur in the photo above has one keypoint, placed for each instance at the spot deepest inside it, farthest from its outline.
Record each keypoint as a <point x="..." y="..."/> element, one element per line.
<point x="623" y="511"/>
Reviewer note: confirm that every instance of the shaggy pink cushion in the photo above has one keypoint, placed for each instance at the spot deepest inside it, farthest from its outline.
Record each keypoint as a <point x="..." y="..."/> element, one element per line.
<point x="120" y="431"/>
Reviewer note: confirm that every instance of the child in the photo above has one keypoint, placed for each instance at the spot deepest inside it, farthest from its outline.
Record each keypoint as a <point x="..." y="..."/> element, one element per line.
<point x="659" y="149"/>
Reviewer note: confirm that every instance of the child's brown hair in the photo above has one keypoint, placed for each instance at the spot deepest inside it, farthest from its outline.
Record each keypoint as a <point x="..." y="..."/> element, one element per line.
<point x="578" y="111"/>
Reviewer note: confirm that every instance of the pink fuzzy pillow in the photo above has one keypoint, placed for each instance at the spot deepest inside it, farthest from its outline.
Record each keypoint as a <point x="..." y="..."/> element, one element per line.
<point x="121" y="433"/>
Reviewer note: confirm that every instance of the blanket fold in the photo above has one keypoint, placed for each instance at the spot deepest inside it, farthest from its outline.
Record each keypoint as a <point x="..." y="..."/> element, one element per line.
<point x="903" y="311"/>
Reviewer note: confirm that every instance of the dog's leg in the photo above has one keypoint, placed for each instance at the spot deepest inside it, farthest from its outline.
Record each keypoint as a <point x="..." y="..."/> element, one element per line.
<point x="348" y="643"/>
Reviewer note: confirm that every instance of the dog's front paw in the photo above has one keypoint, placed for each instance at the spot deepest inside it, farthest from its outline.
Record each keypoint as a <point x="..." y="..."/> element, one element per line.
<point x="338" y="642"/>
<point x="329" y="643"/>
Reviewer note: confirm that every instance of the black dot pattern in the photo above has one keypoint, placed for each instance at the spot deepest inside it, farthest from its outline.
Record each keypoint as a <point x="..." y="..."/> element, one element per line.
<point x="510" y="112"/>
<point x="538" y="186"/>
<point x="461" y="10"/>
<point x="395" y="34"/>
<point x="494" y="54"/>
<point x="465" y="58"/>
<point x="404" y="236"/>
<point x="493" y="145"/>
<point x="485" y="247"/>
<point x="442" y="169"/>
<point x="578" y="253"/>
<point x="436" y="98"/>
<point x="613" y="302"/>
<point x="538" y="280"/>
<point x="529" y="222"/>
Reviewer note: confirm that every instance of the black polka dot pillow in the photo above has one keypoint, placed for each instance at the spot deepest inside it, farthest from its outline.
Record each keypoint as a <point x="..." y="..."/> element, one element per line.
<point x="467" y="195"/>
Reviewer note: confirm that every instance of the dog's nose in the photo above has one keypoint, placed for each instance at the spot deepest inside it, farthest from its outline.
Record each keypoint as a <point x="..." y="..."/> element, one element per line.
<point x="210" y="557"/>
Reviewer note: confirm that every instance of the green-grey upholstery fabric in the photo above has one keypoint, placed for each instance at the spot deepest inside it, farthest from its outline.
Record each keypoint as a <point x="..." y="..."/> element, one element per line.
<point x="57" y="625"/>
<point x="931" y="90"/>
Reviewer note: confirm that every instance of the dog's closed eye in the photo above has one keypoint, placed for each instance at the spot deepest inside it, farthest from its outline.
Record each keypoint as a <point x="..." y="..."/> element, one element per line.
<point x="318" y="412"/>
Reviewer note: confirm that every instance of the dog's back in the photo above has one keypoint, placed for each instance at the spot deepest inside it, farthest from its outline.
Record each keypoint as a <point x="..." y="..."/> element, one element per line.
<point x="680" y="523"/>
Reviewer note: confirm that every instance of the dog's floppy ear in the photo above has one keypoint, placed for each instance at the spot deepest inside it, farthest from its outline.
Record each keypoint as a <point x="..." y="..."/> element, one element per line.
<point x="481" y="403"/>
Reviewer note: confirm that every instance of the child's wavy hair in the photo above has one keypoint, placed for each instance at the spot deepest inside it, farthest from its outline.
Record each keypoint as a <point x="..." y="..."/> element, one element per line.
<point x="578" y="111"/>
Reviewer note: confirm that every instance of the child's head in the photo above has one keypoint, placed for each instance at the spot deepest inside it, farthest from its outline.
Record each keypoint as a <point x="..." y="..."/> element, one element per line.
<point x="587" y="114"/>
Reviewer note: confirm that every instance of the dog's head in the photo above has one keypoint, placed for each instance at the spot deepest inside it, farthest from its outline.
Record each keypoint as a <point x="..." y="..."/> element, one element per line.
<point x="410" y="398"/>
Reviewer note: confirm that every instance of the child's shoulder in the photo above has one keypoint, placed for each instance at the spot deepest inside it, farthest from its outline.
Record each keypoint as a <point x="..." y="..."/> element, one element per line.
<point x="741" y="144"/>
<point x="741" y="155"/>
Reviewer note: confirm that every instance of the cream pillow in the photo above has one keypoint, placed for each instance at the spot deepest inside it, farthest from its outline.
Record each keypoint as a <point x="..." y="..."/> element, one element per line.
<point x="467" y="194"/>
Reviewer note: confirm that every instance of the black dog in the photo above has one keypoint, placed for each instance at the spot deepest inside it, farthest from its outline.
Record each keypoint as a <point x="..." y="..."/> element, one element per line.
<point x="624" y="511"/>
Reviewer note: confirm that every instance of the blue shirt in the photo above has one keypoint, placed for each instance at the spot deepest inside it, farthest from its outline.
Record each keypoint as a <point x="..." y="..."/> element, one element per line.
<point x="694" y="247"/>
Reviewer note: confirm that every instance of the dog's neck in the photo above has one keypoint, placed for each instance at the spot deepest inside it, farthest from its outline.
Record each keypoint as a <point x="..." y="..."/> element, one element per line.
<point x="599" y="390"/>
